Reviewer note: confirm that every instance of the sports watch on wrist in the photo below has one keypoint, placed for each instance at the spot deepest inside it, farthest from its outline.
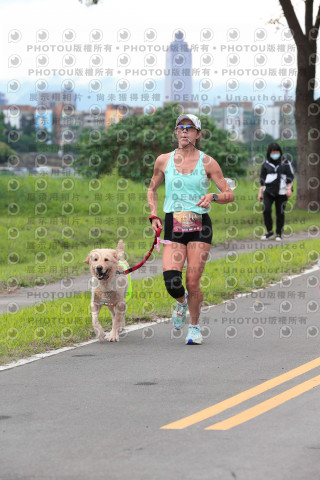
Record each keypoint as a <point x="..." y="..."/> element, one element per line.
<point x="215" y="197"/>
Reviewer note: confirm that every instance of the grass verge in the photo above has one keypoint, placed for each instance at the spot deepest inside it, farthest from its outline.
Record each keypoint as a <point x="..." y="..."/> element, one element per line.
<point x="54" y="324"/>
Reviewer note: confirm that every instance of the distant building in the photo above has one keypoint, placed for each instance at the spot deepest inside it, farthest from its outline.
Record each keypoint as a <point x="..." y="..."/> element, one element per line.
<point x="113" y="114"/>
<point x="44" y="120"/>
<point x="278" y="120"/>
<point x="56" y="102"/>
<point x="287" y="121"/>
<point x="239" y="118"/>
<point x="3" y="99"/>
<point x="178" y="72"/>
<point x="54" y="99"/>
<point x="76" y="121"/>
<point x="18" y="116"/>
<point x="270" y="121"/>
<point x="116" y="112"/>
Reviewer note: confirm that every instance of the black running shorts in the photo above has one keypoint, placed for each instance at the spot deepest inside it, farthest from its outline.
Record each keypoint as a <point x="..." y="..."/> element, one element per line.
<point x="205" y="235"/>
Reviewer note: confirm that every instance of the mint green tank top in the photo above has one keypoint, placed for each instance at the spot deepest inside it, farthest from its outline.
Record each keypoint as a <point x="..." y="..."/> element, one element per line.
<point x="184" y="191"/>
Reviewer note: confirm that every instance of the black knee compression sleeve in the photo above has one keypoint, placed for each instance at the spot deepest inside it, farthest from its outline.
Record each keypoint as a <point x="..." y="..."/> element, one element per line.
<point x="173" y="283"/>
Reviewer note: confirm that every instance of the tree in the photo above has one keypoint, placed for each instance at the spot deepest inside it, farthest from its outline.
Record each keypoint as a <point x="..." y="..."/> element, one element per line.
<point x="260" y="146"/>
<point x="133" y="144"/>
<point x="21" y="140"/>
<point x="26" y="142"/>
<point x="3" y="129"/>
<point x="307" y="108"/>
<point x="5" y="152"/>
<point x="93" y="157"/>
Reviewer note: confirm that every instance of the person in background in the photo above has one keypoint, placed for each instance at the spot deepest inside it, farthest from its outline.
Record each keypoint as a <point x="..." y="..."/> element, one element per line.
<point x="188" y="229"/>
<point x="275" y="186"/>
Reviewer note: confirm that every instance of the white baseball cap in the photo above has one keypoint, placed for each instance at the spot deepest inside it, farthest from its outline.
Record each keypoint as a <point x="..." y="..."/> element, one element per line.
<point x="188" y="116"/>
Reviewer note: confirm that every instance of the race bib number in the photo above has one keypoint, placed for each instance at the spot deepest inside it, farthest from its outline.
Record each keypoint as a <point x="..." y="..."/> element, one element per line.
<point x="187" y="222"/>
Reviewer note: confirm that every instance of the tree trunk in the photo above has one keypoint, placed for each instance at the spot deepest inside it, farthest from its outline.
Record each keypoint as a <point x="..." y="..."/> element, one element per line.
<point x="307" y="109"/>
<point x="307" y="117"/>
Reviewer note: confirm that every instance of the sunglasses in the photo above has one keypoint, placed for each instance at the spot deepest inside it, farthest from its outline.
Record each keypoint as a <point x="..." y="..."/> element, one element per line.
<point x="185" y="127"/>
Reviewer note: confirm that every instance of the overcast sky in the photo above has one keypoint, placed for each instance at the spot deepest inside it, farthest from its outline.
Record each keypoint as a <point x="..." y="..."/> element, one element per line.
<point x="233" y="30"/>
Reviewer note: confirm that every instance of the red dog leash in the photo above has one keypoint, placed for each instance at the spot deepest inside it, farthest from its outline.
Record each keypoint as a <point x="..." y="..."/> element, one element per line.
<point x="155" y="242"/>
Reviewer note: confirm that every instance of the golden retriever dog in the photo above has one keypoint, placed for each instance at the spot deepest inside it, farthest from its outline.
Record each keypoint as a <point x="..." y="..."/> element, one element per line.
<point x="109" y="287"/>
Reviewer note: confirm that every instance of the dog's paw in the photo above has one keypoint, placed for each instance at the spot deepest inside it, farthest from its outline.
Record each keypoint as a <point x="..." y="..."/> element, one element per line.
<point x="113" y="337"/>
<point x="101" y="336"/>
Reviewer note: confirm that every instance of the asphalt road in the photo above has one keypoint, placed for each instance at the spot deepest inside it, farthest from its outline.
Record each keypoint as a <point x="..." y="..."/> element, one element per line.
<point x="97" y="412"/>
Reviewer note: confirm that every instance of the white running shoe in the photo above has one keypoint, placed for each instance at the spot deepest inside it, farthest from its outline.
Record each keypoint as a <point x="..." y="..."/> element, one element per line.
<point x="194" y="336"/>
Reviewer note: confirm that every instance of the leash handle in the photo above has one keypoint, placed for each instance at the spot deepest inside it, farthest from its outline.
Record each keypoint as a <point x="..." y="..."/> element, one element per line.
<point x="155" y="241"/>
<point x="158" y="232"/>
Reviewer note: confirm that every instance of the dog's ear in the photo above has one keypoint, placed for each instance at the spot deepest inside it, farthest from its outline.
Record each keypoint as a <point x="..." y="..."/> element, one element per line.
<point x="87" y="260"/>
<point x="115" y="254"/>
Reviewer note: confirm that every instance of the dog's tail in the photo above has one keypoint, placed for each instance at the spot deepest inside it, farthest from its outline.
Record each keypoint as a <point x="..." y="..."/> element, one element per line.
<point x="120" y="250"/>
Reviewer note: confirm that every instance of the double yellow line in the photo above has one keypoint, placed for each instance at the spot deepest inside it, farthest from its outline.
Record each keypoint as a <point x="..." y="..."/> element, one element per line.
<point x="246" y="395"/>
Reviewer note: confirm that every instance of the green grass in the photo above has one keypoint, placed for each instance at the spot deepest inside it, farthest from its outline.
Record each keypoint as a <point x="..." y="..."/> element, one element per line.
<point x="49" y="224"/>
<point x="53" y="324"/>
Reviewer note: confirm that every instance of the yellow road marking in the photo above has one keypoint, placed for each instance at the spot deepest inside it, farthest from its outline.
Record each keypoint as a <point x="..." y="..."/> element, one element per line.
<point x="266" y="405"/>
<point x="241" y="397"/>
